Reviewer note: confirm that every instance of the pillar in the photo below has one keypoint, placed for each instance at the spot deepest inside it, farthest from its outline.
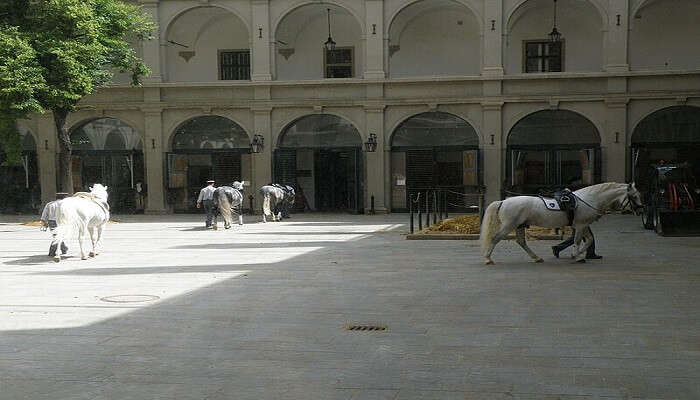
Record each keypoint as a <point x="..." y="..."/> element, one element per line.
<point x="151" y="48"/>
<point x="614" y="142"/>
<point x="492" y="38"/>
<point x="262" y="162"/>
<point x="616" y="38"/>
<point x="374" y="39"/>
<point x="262" y="41"/>
<point x="493" y="141"/>
<point x="154" y="151"/>
<point x="375" y="162"/>
<point x="46" y="148"/>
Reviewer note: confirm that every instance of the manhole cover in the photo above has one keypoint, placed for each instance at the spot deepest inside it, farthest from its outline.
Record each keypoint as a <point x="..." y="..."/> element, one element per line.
<point x="129" y="298"/>
<point x="366" y="328"/>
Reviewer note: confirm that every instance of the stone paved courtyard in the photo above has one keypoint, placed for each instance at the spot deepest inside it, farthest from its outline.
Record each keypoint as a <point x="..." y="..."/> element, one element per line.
<point x="258" y="312"/>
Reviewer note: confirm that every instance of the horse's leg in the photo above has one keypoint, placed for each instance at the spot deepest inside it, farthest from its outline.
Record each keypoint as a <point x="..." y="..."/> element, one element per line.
<point x="502" y="233"/>
<point x="240" y="214"/>
<point x="520" y="238"/>
<point x="98" y="243"/>
<point x="81" y="232"/>
<point x="91" y="230"/>
<point x="579" y="254"/>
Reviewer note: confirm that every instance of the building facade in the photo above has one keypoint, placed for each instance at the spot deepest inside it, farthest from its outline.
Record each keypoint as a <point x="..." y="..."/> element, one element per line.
<point x="459" y="93"/>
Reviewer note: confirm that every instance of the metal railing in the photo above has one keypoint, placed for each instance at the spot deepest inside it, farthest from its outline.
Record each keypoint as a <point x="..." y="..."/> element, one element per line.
<point x="435" y="203"/>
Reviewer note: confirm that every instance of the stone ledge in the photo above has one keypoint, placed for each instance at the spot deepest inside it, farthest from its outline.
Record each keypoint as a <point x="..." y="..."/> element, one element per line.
<point x="473" y="236"/>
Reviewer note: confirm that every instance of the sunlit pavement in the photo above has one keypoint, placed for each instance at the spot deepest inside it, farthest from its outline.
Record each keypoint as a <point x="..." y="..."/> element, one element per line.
<point x="172" y="311"/>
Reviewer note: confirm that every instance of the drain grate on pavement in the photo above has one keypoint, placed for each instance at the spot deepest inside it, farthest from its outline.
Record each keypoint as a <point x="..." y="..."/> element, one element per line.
<point x="366" y="328"/>
<point x="129" y="298"/>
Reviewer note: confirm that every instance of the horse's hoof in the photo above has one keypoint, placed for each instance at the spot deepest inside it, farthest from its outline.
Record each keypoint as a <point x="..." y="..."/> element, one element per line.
<point x="539" y="260"/>
<point x="92" y="254"/>
<point x="56" y="258"/>
<point x="581" y="261"/>
<point x="83" y="258"/>
<point x="489" y="262"/>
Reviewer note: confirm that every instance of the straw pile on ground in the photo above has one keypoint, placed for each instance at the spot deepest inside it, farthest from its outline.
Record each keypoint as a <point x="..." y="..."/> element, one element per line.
<point x="469" y="224"/>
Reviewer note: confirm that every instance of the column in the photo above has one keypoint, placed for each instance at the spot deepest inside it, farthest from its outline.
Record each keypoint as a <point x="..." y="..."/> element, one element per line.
<point x="374" y="39"/>
<point x="262" y="162"/>
<point x="375" y="162"/>
<point x="46" y="147"/>
<point x="492" y="38"/>
<point x="614" y="142"/>
<point x="153" y="152"/>
<point x="262" y="42"/>
<point x="151" y="48"/>
<point x="493" y="146"/>
<point x="616" y="37"/>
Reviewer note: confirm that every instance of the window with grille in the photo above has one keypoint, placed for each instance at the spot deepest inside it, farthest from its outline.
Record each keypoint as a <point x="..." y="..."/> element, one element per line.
<point x="234" y="65"/>
<point x="543" y="56"/>
<point x="339" y="63"/>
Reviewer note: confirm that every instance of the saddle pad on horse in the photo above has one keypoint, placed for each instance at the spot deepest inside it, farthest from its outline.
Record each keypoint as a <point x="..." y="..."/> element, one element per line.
<point x="562" y="201"/>
<point x="551" y="204"/>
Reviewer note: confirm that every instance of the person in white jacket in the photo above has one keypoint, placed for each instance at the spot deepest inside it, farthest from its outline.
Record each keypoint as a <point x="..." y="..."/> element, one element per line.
<point x="48" y="220"/>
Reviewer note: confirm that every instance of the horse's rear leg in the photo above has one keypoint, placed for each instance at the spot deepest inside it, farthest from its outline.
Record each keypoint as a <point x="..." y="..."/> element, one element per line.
<point x="520" y="238"/>
<point x="98" y="241"/>
<point x="91" y="230"/>
<point x="502" y="233"/>
<point x="240" y="215"/>
<point x="81" y="233"/>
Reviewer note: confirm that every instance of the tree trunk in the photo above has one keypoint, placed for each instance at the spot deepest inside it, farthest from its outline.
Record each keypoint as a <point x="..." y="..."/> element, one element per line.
<point x="65" y="157"/>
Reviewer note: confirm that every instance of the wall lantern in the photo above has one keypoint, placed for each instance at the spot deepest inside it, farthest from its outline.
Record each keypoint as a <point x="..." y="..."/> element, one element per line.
<point x="371" y="143"/>
<point x="330" y="44"/>
<point x="555" y="35"/>
<point x="258" y="144"/>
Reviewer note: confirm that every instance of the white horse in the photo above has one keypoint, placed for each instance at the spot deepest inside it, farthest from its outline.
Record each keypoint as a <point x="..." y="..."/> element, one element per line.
<point x="83" y="212"/>
<point x="516" y="213"/>
<point x="228" y="200"/>
<point x="277" y="200"/>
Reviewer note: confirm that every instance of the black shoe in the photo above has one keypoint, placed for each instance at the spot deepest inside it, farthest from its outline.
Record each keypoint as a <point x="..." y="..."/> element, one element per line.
<point x="594" y="257"/>
<point x="555" y="251"/>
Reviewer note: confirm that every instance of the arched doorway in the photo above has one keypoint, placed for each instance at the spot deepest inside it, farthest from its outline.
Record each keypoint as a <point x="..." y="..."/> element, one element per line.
<point x="434" y="150"/>
<point x="20" y="190"/>
<point x="110" y="152"/>
<point x="206" y="147"/>
<point x="424" y="35"/>
<point x="671" y="134"/>
<point x="552" y="149"/>
<point x="320" y="155"/>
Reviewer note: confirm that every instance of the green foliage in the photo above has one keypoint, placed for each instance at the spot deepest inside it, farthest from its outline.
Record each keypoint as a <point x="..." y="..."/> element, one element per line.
<point x="55" y="52"/>
<point x="10" y="143"/>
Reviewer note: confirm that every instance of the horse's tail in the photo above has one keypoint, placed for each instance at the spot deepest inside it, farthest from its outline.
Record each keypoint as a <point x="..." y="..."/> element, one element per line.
<point x="224" y="207"/>
<point x="67" y="220"/>
<point x="266" y="204"/>
<point x="490" y="225"/>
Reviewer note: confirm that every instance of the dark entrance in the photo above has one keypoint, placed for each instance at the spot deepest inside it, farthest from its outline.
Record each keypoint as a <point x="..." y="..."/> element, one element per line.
<point x="552" y="149"/>
<point x="207" y="147"/>
<point x="320" y="156"/>
<point x="108" y="151"/>
<point x="20" y="191"/>
<point x="435" y="150"/>
<point x="672" y="135"/>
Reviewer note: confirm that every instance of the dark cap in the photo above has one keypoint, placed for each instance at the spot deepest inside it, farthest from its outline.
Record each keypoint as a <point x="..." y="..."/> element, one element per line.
<point x="61" y="195"/>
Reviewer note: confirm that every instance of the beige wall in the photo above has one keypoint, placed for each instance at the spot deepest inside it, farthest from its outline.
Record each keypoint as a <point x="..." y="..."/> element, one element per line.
<point x="469" y="70"/>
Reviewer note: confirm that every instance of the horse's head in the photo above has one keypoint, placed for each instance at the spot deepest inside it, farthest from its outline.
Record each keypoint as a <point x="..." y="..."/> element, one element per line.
<point x="290" y="195"/>
<point x="99" y="191"/>
<point x="237" y="185"/>
<point x="635" y="198"/>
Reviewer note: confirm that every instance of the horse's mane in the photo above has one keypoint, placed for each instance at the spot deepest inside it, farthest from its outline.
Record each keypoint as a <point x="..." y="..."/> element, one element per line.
<point x="594" y="190"/>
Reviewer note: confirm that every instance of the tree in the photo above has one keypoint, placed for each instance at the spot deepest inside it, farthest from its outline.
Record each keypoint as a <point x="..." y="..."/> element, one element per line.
<point x="65" y="50"/>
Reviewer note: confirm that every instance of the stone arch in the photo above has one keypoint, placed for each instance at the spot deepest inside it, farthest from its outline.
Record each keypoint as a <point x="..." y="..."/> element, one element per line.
<point x="520" y="7"/>
<point x="299" y="34"/>
<point x="234" y="142"/>
<point x="95" y="140"/>
<point x="414" y="39"/>
<point x="466" y="141"/>
<point x="347" y="141"/>
<point x="203" y="30"/>
<point x="684" y="123"/>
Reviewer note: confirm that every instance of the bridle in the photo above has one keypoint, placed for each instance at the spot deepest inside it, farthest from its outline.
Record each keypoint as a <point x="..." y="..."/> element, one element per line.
<point x="629" y="201"/>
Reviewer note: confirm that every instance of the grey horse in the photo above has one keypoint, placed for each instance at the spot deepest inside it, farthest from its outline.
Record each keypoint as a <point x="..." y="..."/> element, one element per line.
<point x="277" y="200"/>
<point x="229" y="200"/>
